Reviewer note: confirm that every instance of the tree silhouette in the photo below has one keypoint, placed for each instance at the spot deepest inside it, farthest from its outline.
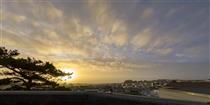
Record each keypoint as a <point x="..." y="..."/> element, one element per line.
<point x="27" y="73"/>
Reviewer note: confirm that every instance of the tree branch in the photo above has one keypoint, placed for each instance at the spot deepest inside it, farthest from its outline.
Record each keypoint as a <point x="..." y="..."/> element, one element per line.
<point x="19" y="79"/>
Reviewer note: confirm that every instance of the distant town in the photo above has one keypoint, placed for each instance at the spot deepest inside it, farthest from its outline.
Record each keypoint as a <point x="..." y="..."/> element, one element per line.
<point x="191" y="90"/>
<point x="151" y="88"/>
<point x="143" y="88"/>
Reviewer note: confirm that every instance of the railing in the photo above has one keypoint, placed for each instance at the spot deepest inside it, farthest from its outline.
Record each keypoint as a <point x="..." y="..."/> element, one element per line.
<point x="80" y="98"/>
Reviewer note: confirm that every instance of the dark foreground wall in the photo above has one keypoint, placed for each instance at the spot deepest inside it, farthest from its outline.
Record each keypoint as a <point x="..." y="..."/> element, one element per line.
<point x="80" y="98"/>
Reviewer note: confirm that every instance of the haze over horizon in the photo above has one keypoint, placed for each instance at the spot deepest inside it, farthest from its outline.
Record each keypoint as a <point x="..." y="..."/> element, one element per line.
<point x="112" y="41"/>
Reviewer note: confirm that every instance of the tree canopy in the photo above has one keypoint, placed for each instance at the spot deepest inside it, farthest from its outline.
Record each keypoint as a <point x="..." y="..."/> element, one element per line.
<point x="27" y="73"/>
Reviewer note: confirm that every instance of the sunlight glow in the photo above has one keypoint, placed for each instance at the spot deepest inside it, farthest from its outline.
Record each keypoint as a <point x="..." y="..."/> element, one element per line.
<point x="69" y="70"/>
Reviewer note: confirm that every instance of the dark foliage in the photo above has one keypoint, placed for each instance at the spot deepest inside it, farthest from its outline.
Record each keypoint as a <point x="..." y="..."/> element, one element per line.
<point x="27" y="73"/>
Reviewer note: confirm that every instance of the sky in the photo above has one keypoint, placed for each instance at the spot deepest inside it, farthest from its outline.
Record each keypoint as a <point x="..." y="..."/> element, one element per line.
<point x="104" y="41"/>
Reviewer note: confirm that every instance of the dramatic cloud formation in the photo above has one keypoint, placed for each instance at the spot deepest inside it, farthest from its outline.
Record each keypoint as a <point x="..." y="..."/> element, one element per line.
<point x="128" y="39"/>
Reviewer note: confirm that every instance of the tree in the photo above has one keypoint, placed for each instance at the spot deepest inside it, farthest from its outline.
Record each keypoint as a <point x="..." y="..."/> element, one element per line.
<point x="27" y="73"/>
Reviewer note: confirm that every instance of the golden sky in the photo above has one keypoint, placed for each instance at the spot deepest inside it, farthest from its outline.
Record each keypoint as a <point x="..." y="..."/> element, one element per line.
<point x="111" y="41"/>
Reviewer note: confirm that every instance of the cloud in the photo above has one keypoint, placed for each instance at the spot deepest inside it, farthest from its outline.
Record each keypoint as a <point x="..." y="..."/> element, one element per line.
<point x="47" y="10"/>
<point x="101" y="37"/>
<point x="101" y="13"/>
<point x="118" y="34"/>
<point x="50" y="33"/>
<point x="198" y="52"/>
<point x="1" y="15"/>
<point x="54" y="13"/>
<point x="142" y="38"/>
<point x="106" y="65"/>
<point x="171" y="12"/>
<point x="113" y="29"/>
<point x="118" y="40"/>
<point x="164" y="51"/>
<point x="16" y="18"/>
<point x="49" y="37"/>
<point x="19" y="18"/>
<point x="147" y="13"/>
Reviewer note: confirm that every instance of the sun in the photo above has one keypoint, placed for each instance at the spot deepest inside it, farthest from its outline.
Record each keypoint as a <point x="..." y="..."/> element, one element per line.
<point x="71" y="77"/>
